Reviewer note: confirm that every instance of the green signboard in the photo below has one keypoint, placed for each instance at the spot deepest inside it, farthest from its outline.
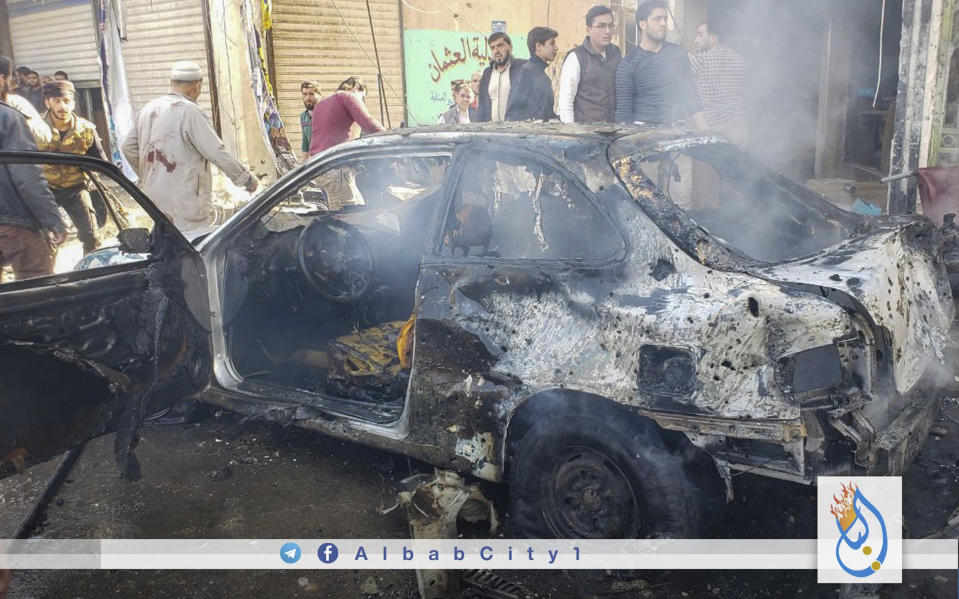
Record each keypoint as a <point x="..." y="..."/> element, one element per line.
<point x="434" y="59"/>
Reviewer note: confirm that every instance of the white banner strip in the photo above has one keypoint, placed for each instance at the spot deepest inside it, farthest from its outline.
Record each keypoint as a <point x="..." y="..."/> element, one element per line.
<point x="494" y="554"/>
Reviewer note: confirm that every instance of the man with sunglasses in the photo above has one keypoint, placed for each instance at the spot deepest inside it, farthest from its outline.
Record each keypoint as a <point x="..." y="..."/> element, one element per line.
<point x="587" y="92"/>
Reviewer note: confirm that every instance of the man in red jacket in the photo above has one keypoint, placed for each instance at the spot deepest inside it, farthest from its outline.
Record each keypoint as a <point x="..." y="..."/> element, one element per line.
<point x="333" y="116"/>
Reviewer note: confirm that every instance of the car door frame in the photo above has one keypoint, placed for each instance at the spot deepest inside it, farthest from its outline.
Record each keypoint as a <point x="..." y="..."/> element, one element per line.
<point x="462" y="422"/>
<point x="228" y="387"/>
<point x="172" y="261"/>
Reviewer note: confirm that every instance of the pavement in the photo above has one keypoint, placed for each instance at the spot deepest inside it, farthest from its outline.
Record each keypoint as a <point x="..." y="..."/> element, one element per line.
<point x="226" y="477"/>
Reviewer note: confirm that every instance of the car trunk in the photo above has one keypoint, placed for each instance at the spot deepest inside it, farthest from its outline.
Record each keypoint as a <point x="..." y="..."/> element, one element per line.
<point x="896" y="274"/>
<point x="732" y="213"/>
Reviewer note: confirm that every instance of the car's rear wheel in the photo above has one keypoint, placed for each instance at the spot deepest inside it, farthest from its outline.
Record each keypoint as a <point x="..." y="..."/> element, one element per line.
<point x="586" y="476"/>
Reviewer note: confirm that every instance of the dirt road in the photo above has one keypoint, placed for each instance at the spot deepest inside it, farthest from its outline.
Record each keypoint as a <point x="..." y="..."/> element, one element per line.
<point x="224" y="478"/>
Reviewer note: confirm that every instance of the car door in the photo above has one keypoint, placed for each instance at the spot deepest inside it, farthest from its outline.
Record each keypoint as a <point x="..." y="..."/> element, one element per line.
<point x="113" y="335"/>
<point x="523" y="246"/>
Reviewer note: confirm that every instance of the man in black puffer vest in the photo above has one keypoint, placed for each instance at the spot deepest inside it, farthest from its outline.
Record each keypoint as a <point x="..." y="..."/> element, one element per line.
<point x="587" y="86"/>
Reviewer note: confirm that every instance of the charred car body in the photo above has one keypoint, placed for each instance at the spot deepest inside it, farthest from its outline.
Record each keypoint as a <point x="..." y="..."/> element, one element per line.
<point x="571" y="310"/>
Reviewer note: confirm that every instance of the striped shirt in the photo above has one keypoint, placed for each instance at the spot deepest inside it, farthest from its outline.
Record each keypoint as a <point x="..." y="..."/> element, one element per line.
<point x="655" y="87"/>
<point x="721" y="77"/>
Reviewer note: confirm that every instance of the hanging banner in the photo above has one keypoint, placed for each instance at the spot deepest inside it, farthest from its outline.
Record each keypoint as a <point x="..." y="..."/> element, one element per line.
<point x="270" y="121"/>
<point x="434" y="59"/>
<point x="113" y="83"/>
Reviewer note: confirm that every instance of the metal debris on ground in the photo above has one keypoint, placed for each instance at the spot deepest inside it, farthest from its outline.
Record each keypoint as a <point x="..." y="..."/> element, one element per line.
<point x="485" y="584"/>
<point x="369" y="586"/>
<point x="950" y="530"/>
<point x="432" y="506"/>
<point x="948" y="408"/>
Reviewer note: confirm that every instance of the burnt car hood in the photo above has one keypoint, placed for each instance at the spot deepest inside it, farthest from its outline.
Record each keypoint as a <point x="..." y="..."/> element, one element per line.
<point x="896" y="274"/>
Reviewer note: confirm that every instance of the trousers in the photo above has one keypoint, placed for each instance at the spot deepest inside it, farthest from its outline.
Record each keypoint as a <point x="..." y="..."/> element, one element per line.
<point x="76" y="201"/>
<point x="27" y="251"/>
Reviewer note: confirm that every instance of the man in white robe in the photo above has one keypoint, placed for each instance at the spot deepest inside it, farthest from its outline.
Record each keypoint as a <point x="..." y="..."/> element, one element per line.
<point x="171" y="149"/>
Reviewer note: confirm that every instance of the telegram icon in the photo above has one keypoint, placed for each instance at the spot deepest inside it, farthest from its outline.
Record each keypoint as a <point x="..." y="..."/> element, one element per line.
<point x="290" y="553"/>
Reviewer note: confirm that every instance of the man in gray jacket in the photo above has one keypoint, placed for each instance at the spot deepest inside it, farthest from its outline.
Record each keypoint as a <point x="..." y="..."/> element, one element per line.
<point x="30" y="224"/>
<point x="171" y="148"/>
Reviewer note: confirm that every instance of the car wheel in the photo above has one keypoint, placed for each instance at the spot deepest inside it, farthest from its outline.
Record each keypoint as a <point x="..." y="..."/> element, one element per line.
<point x="581" y="476"/>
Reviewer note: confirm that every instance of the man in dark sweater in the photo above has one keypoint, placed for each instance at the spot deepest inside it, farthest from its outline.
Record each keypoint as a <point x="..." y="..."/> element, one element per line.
<point x="654" y="83"/>
<point x="531" y="97"/>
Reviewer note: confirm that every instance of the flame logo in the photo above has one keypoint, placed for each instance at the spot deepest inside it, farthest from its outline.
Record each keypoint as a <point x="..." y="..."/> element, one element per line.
<point x="853" y="513"/>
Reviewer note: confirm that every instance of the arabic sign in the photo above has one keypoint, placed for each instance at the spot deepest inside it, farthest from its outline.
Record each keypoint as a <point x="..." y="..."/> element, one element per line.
<point x="498" y="26"/>
<point x="433" y="59"/>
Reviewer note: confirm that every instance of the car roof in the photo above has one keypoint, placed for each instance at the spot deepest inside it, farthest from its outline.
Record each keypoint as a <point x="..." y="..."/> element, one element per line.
<point x="637" y="137"/>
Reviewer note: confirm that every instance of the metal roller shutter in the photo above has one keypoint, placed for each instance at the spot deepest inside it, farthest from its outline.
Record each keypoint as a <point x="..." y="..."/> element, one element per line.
<point x="159" y="33"/>
<point x="58" y="36"/>
<point x="311" y="41"/>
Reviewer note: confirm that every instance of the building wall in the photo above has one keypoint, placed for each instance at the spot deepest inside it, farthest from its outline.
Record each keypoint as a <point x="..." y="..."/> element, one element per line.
<point x="31" y="25"/>
<point x="916" y="99"/>
<point x="158" y="34"/>
<point x="241" y="118"/>
<point x="944" y="146"/>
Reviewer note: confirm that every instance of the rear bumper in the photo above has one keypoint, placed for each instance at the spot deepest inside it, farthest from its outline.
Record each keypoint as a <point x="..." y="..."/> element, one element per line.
<point x="895" y="447"/>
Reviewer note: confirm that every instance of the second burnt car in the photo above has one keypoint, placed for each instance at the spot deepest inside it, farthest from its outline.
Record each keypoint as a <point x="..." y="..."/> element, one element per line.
<point x="573" y="311"/>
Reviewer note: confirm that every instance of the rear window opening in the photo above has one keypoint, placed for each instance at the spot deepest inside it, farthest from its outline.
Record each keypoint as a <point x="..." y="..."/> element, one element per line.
<point x="754" y="210"/>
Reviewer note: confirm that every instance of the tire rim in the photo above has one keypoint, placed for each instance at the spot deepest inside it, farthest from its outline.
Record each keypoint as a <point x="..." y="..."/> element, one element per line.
<point x="588" y="496"/>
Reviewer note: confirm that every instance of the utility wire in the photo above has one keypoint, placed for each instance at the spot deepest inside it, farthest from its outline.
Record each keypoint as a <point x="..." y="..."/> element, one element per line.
<point x="428" y="12"/>
<point x="452" y="9"/>
<point x="372" y="62"/>
<point x="381" y="91"/>
<point x="882" y="29"/>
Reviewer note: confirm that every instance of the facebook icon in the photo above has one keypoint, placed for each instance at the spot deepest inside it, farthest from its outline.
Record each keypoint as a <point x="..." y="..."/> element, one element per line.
<point x="327" y="553"/>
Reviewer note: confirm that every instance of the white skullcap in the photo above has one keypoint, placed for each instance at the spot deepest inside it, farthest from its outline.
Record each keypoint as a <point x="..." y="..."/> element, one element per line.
<point x="186" y="70"/>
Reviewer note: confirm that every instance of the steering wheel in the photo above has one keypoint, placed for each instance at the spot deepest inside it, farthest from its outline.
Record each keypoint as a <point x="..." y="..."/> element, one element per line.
<point x="336" y="259"/>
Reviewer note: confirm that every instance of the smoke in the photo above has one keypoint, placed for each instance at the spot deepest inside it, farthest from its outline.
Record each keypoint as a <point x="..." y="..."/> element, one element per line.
<point x="743" y="203"/>
<point x="323" y="273"/>
<point x="793" y="51"/>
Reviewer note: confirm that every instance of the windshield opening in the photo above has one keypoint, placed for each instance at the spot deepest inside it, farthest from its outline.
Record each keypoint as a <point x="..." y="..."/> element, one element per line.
<point x="746" y="205"/>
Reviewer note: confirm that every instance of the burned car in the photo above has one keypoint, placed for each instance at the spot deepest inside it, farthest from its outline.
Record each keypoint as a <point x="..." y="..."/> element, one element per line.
<point x="573" y="311"/>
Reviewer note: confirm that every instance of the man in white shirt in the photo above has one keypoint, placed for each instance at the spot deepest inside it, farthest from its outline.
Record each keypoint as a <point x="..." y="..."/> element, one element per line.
<point x="497" y="79"/>
<point x="587" y="85"/>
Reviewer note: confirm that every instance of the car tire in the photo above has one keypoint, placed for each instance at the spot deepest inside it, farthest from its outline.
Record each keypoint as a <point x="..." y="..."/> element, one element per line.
<point x="583" y="476"/>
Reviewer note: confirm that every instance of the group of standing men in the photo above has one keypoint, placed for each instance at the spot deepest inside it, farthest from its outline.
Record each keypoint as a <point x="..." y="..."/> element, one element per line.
<point x="658" y="83"/>
<point x="30" y="196"/>
<point x="170" y="147"/>
<point x="510" y="88"/>
<point x="173" y="143"/>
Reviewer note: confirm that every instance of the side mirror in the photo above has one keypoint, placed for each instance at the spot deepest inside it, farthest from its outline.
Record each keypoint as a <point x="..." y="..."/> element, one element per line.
<point x="134" y="241"/>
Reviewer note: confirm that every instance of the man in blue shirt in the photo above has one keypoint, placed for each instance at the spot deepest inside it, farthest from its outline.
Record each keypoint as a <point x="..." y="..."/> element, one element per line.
<point x="311" y="95"/>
